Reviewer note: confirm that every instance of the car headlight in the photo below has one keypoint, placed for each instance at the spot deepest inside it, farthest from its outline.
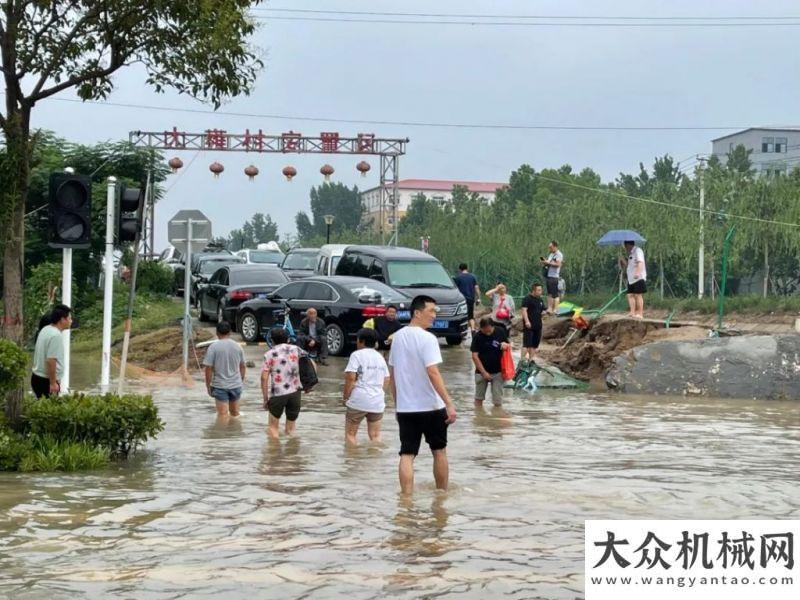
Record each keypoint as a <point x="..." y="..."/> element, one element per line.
<point x="462" y="309"/>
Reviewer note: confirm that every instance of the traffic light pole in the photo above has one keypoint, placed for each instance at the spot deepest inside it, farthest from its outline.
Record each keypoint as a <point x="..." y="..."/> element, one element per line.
<point x="132" y="293"/>
<point x="108" y="285"/>
<point x="66" y="298"/>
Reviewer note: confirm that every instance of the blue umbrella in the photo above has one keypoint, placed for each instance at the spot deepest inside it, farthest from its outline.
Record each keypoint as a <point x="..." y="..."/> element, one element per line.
<point x="617" y="237"/>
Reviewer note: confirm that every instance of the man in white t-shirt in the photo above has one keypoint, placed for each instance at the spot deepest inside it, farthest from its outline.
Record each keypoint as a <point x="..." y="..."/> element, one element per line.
<point x="552" y="276"/>
<point x="637" y="279"/>
<point x="424" y="406"/>
<point x="366" y="376"/>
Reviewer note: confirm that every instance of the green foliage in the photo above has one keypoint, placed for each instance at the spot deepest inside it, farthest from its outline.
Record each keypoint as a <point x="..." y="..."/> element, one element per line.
<point x="42" y="292"/>
<point x="259" y="229"/>
<point x="154" y="278"/>
<point x="503" y="240"/>
<point x="331" y="199"/>
<point x="13" y="448"/>
<point x="50" y="454"/>
<point x="13" y="366"/>
<point x="32" y="453"/>
<point x="118" y="424"/>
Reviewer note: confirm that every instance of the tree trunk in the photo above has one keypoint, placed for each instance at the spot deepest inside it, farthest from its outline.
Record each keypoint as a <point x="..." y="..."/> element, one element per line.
<point x="766" y="268"/>
<point x="14" y="190"/>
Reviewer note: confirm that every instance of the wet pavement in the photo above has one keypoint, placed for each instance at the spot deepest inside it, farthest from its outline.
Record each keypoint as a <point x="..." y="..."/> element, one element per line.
<point x="213" y="508"/>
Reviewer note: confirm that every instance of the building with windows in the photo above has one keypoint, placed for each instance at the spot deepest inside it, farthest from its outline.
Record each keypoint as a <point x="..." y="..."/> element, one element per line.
<point x="438" y="190"/>
<point x="774" y="150"/>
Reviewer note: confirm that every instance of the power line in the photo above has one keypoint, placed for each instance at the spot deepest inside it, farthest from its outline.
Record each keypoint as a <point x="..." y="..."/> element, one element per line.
<point x="498" y="126"/>
<point x="625" y="24"/>
<point x="506" y="16"/>
<point x="667" y="204"/>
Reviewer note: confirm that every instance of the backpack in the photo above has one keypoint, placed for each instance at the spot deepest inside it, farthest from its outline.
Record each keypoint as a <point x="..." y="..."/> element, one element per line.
<point x="308" y="373"/>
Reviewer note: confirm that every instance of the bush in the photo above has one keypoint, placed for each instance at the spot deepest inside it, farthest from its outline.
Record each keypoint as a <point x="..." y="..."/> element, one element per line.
<point x="13" y="448"/>
<point x="118" y="424"/>
<point x="13" y="367"/>
<point x="155" y="278"/>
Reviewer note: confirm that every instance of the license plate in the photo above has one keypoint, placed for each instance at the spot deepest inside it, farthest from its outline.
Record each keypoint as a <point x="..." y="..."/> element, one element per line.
<point x="440" y="324"/>
<point x="404" y="315"/>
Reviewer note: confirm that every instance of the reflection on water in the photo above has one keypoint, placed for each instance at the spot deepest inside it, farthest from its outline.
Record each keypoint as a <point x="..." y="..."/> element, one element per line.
<point x="213" y="508"/>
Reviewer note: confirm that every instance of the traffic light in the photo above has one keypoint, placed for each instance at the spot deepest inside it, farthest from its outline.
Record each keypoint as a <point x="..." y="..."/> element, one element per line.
<point x="129" y="214"/>
<point x="70" y="211"/>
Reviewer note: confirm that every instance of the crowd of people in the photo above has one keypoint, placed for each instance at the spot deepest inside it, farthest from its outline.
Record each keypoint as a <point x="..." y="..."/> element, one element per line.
<point x="411" y="374"/>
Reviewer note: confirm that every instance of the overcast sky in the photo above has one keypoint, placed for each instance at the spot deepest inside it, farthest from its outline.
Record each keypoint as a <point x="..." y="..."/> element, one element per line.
<point x="581" y="76"/>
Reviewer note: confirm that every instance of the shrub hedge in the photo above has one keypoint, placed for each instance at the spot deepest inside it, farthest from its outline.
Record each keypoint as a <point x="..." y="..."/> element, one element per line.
<point x="118" y="424"/>
<point x="13" y="367"/>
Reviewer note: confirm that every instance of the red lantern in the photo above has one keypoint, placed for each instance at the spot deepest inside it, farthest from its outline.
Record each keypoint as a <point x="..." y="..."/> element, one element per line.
<point x="251" y="172"/>
<point x="327" y="171"/>
<point x="289" y="172"/>
<point x="363" y="167"/>
<point x="216" y="168"/>
<point x="175" y="164"/>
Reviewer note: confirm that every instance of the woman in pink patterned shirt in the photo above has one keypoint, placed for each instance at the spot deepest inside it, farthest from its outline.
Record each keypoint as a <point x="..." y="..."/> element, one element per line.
<point x="280" y="382"/>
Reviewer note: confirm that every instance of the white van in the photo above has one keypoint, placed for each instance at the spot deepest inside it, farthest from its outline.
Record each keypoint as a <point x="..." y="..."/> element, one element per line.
<point x="328" y="258"/>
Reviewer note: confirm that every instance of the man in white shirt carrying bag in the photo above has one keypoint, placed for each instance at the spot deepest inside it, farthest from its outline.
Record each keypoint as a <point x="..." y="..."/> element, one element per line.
<point x="424" y="406"/>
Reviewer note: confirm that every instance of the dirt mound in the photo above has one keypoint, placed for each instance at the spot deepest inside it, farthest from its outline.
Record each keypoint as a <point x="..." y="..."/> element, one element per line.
<point x="590" y="355"/>
<point x="162" y="350"/>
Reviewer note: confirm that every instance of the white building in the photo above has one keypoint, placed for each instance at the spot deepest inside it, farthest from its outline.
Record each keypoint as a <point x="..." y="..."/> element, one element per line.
<point x="774" y="150"/>
<point x="438" y="190"/>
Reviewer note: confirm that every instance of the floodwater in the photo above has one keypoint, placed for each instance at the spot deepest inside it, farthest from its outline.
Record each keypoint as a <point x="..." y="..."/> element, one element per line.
<point x="214" y="510"/>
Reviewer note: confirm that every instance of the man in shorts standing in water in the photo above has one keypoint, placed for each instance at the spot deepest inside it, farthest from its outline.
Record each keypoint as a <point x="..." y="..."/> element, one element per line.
<point x="423" y="405"/>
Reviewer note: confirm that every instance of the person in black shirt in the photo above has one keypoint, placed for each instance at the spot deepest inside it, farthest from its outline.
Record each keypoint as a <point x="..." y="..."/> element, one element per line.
<point x="532" y="309"/>
<point x="386" y="326"/>
<point x="487" y="348"/>
<point x="467" y="284"/>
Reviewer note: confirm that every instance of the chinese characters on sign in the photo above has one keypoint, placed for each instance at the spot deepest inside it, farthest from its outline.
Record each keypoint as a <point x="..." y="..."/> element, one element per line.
<point x="733" y="551"/>
<point x="328" y="142"/>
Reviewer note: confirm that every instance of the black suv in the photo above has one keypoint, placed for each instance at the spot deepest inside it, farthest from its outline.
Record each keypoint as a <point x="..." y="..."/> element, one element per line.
<point x="412" y="272"/>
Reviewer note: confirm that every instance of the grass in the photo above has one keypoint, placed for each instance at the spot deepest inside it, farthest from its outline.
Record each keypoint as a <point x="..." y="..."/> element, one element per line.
<point x="49" y="454"/>
<point x="150" y="313"/>
<point x="751" y="304"/>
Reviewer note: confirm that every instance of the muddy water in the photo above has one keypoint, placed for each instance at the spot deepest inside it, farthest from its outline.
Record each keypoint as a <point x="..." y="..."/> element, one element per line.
<point x="213" y="508"/>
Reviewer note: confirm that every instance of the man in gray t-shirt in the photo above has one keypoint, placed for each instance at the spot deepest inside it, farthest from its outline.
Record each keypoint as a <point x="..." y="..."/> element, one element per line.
<point x="225" y="370"/>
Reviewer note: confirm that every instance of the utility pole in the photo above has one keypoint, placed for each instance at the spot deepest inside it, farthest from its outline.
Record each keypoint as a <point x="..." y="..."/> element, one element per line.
<point x="108" y="284"/>
<point x="701" y="254"/>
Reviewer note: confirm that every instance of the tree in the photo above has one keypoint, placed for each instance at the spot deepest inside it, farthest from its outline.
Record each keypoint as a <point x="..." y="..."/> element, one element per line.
<point x="331" y="199"/>
<point x="198" y="47"/>
<point x="260" y="228"/>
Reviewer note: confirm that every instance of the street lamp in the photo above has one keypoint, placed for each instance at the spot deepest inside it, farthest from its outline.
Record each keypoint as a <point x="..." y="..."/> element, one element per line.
<point x="328" y="221"/>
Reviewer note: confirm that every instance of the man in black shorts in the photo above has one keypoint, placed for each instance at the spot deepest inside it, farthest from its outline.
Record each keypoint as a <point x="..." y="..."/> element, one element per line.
<point x="422" y="402"/>
<point x="532" y="309"/>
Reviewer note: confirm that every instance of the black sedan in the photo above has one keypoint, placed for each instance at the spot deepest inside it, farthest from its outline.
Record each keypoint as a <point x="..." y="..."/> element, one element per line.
<point x="343" y="304"/>
<point x="231" y="285"/>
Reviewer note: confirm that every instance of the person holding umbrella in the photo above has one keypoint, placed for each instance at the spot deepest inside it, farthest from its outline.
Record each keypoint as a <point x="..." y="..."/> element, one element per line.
<point x="635" y="265"/>
<point x="637" y="278"/>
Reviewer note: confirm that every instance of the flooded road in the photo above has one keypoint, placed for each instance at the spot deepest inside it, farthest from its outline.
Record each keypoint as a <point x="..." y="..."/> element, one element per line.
<point x="213" y="509"/>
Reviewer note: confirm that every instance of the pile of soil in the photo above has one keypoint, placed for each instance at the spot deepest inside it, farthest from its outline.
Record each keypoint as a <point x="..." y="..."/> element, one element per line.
<point x="591" y="353"/>
<point x="162" y="350"/>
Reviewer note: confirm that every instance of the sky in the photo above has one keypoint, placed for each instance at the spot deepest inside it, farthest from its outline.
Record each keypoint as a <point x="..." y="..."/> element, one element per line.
<point x="726" y="77"/>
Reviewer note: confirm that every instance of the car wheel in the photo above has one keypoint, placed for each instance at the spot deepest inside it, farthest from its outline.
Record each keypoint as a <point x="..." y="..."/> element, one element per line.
<point x="202" y="315"/>
<point x="336" y="339"/>
<point x="248" y="327"/>
<point x="453" y="340"/>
